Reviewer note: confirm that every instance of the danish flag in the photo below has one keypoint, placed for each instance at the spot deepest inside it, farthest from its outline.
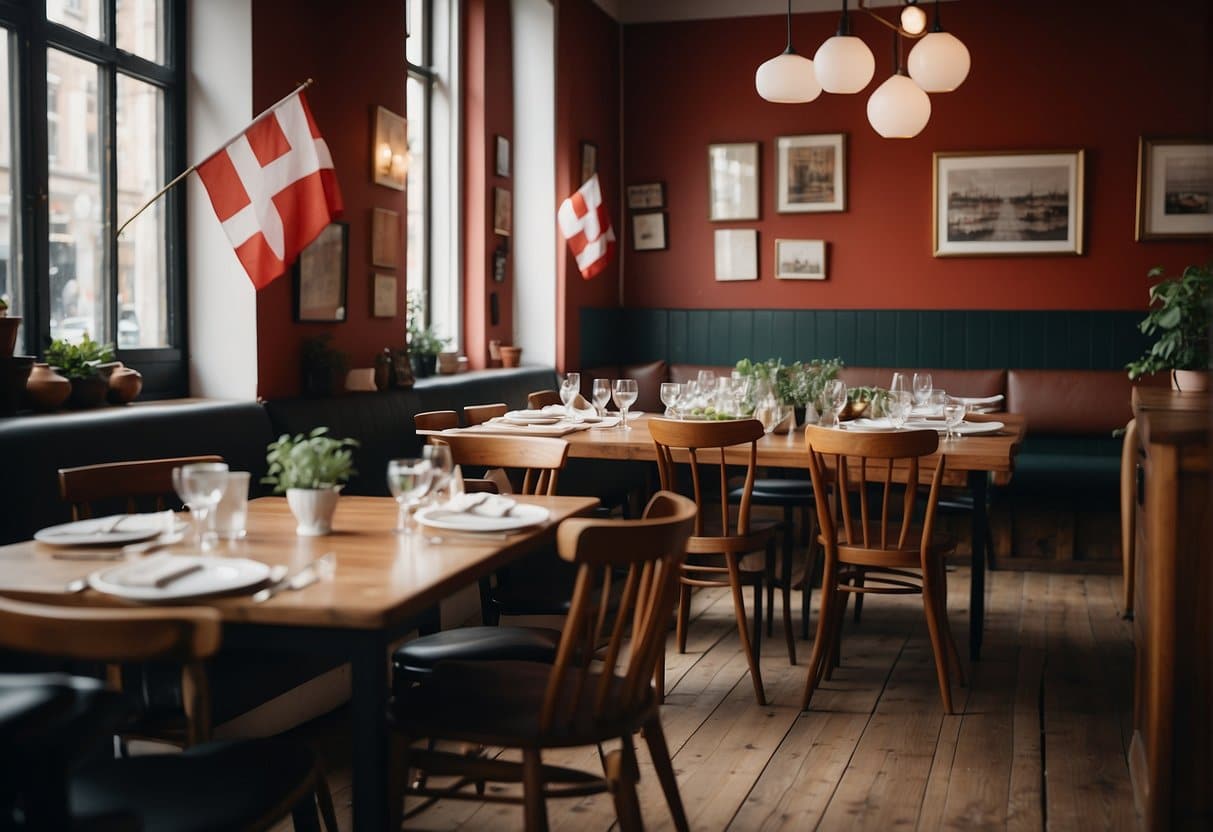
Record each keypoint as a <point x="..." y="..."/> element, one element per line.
<point x="273" y="188"/>
<point x="584" y="222"/>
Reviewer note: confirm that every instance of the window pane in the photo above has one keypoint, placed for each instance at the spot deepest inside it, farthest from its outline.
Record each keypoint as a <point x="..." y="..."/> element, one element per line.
<point x="414" y="46"/>
<point x="10" y="234"/>
<point x="142" y="264"/>
<point x="418" y="229"/>
<point x="82" y="15"/>
<point x="140" y="25"/>
<point x="78" y="300"/>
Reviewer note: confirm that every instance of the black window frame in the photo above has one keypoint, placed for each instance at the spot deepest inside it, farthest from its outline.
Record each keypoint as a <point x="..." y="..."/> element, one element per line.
<point x="425" y="73"/>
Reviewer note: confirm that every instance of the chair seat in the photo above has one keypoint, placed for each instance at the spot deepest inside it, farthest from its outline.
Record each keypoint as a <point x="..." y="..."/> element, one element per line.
<point x="220" y="785"/>
<point x="858" y="555"/>
<point x="777" y="492"/>
<point x="473" y="644"/>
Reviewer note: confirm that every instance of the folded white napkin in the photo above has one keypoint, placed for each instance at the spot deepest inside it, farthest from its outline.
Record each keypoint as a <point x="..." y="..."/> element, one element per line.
<point x="580" y="408"/>
<point x="154" y="571"/>
<point x="980" y="399"/>
<point x="481" y="503"/>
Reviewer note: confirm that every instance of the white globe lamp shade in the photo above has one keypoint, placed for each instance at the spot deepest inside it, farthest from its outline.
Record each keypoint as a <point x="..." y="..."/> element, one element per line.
<point x="939" y="62"/>
<point x="899" y="108"/>
<point x="844" y="64"/>
<point x="787" y="79"/>
<point x="913" y="20"/>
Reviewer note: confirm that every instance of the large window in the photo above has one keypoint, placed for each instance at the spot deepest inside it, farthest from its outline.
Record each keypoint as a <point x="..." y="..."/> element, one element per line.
<point x="418" y="104"/>
<point x="91" y="109"/>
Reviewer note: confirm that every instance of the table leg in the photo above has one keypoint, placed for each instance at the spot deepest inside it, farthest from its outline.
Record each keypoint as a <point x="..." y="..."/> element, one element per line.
<point x="978" y="482"/>
<point x="370" y="732"/>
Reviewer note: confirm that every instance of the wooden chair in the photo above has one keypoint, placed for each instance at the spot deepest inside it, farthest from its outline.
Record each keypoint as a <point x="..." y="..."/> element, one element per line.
<point x="567" y="704"/>
<point x="117" y="480"/>
<point x="728" y="541"/>
<point x="542" y="398"/>
<point x="478" y="414"/>
<point x="539" y="459"/>
<point x="436" y="420"/>
<point x="875" y="551"/>
<point x="1128" y="515"/>
<point x="154" y="785"/>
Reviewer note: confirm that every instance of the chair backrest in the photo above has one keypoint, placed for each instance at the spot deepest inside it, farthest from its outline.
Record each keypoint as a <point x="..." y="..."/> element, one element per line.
<point x="860" y="459"/>
<point x="115" y="480"/>
<point x="670" y="435"/>
<point x="540" y="458"/>
<point x="646" y="556"/>
<point x="478" y="414"/>
<point x="542" y="398"/>
<point x="436" y="420"/>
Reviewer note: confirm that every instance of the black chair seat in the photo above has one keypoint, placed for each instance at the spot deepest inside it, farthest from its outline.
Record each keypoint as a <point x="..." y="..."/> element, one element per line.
<point x="777" y="492"/>
<point x="471" y="644"/>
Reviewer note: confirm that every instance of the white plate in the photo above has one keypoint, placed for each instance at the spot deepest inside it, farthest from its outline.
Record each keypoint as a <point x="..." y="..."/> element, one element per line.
<point x="964" y="428"/>
<point x="218" y="575"/>
<point x="531" y="420"/>
<point x="132" y="528"/>
<point x="869" y="425"/>
<point x="522" y="516"/>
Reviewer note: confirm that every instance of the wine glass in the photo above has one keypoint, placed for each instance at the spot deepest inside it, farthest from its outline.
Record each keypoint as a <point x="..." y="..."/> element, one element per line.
<point x="899" y="384"/>
<point x="922" y="388"/>
<point x="409" y="480"/>
<point x="707" y="384"/>
<point x="898" y="407"/>
<point x="953" y="415"/>
<point x="439" y="457"/>
<point x="625" y="395"/>
<point x="936" y="399"/>
<point x="670" y="391"/>
<point x="200" y="485"/>
<point x="601" y="393"/>
<point x="835" y="399"/>
<point x="570" y="389"/>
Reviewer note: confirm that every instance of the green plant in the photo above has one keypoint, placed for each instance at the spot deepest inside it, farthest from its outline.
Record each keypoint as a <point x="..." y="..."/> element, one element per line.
<point x="797" y="384"/>
<point x="78" y="361"/>
<point x="311" y="461"/>
<point x="1179" y="317"/>
<point x="422" y="339"/>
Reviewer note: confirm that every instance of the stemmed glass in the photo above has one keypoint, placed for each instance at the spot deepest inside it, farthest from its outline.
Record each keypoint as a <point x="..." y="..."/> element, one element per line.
<point x="670" y="391"/>
<point x="439" y="457"/>
<point x="570" y="389"/>
<point x="953" y="415"/>
<point x="625" y="395"/>
<point x="898" y="407"/>
<point x="922" y="388"/>
<point x="899" y="384"/>
<point x="835" y="399"/>
<point x="707" y="384"/>
<point x="601" y="394"/>
<point x="409" y="480"/>
<point x="200" y="485"/>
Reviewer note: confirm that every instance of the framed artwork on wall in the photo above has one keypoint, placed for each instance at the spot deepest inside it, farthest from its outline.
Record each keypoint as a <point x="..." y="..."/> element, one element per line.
<point x="390" y="153"/>
<point x="1174" y="189"/>
<point x="499" y="265"/>
<point x="589" y="161"/>
<point x="648" y="231"/>
<point x="320" y="276"/>
<point x="384" y="300"/>
<point x="811" y="173"/>
<point x="502" y="153"/>
<point x="995" y="203"/>
<point x="800" y="259"/>
<point x="736" y="254"/>
<point x="502" y="219"/>
<point x="733" y="181"/>
<point x="385" y="238"/>
<point x="646" y="196"/>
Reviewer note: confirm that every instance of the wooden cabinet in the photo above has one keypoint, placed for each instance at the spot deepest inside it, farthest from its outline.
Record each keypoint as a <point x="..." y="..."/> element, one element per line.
<point x="1170" y="756"/>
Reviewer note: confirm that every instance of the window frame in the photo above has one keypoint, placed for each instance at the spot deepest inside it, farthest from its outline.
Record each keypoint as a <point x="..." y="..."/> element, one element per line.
<point x="425" y="73"/>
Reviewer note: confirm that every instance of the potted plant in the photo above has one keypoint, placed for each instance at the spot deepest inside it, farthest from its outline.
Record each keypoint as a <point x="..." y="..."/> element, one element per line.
<point x="81" y="364"/>
<point x="424" y="343"/>
<point x="311" y="471"/>
<point x="1179" y="318"/>
<point x="323" y="365"/>
<point x="799" y="384"/>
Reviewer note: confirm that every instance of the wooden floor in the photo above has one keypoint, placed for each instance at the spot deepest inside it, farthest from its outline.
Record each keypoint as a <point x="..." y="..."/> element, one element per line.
<point x="1039" y="739"/>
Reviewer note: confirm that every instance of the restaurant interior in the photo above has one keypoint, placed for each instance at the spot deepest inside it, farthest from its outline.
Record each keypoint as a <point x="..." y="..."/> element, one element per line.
<point x="496" y="414"/>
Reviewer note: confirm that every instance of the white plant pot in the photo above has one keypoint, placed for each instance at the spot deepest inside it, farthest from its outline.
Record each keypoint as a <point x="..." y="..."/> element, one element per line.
<point x="313" y="509"/>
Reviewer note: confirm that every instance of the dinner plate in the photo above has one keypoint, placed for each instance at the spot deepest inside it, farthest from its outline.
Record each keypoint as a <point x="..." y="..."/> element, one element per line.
<point x="869" y="425"/>
<point x="217" y="575"/>
<point x="531" y="417"/>
<point x="964" y="428"/>
<point x="520" y="517"/>
<point x="131" y="528"/>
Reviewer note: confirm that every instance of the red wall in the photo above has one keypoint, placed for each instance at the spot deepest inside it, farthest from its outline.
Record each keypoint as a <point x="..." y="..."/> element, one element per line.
<point x="357" y="61"/>
<point x="1045" y="75"/>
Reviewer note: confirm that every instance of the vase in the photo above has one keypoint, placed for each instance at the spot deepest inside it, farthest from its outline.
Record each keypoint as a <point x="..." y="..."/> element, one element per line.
<point x="14" y="372"/>
<point x="46" y="389"/>
<point x="125" y="385"/>
<point x="1190" y="381"/>
<point x="88" y="392"/>
<point x="511" y="356"/>
<point x="8" y="335"/>
<point x="313" y="509"/>
<point x="423" y="365"/>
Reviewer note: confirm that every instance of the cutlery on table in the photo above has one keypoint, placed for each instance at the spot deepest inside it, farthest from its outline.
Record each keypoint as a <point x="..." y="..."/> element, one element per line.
<point x="152" y="545"/>
<point x="305" y="577"/>
<point x="470" y="536"/>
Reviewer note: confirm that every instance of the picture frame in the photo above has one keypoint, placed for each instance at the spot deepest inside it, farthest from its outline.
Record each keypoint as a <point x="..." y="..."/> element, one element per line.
<point x="996" y="203"/>
<point x="390" y="151"/>
<point x="402" y="369"/>
<point x="320" y="274"/>
<point x="502" y="216"/>
<point x="733" y="177"/>
<point x="649" y="231"/>
<point x="1174" y="189"/>
<point x="736" y="254"/>
<point x="502" y="156"/>
<point x="646" y="196"/>
<point x="811" y="173"/>
<point x="800" y="259"/>
<point x="385" y="238"/>
<point x="385" y="302"/>
<point x="589" y="161"/>
<point x="500" y="261"/>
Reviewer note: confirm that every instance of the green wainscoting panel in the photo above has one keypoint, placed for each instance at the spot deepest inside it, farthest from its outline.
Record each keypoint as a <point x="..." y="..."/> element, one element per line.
<point x="953" y="339"/>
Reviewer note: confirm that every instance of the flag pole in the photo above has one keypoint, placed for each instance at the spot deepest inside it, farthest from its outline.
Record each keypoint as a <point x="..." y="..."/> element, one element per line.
<point x="194" y="167"/>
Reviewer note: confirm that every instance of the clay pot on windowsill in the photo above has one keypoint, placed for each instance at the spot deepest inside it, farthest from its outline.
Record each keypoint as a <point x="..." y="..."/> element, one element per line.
<point x="125" y="385"/>
<point x="88" y="392"/>
<point x="46" y="390"/>
<point x="511" y="356"/>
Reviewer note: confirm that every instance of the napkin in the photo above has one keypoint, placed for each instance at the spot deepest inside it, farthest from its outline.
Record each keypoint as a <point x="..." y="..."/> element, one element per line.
<point x="979" y="399"/>
<point x="580" y="407"/>
<point x="156" y="571"/>
<point x="481" y="503"/>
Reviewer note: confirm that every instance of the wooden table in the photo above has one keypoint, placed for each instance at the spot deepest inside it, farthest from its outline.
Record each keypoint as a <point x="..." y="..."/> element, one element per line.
<point x="383" y="586"/>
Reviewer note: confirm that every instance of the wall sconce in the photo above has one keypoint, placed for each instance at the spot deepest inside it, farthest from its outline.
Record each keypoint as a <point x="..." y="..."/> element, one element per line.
<point x="390" y="153"/>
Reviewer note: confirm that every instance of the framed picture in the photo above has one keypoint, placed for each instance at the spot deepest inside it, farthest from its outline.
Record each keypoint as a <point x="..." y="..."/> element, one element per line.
<point x="503" y="156"/>
<point x="1174" y="188"/>
<point x="646" y="196"/>
<point x="800" y="259"/>
<point x="390" y="154"/>
<point x="988" y="204"/>
<point x="320" y="276"/>
<point x="402" y="369"/>
<point x="384" y="301"/>
<point x="385" y="238"/>
<point x="589" y="161"/>
<point x="648" y="231"/>
<point x="733" y="181"/>
<point x="736" y="254"/>
<point x="502" y="219"/>
<point x="499" y="264"/>
<point x="811" y="173"/>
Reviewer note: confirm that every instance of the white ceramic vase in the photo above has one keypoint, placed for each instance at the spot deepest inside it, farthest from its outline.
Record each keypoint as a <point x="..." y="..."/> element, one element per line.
<point x="313" y="509"/>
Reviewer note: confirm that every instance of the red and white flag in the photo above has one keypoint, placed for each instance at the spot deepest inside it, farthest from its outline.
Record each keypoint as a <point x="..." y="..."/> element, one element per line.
<point x="273" y="189"/>
<point x="584" y="222"/>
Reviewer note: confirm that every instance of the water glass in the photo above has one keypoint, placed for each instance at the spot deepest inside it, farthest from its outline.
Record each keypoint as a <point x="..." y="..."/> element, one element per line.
<point x="570" y="389"/>
<point x="200" y="485"/>
<point x="835" y="399"/>
<point x="899" y="384"/>
<point x="409" y="481"/>
<point x="439" y="457"/>
<point x="670" y="391"/>
<point x="625" y="396"/>
<point x="898" y="407"/>
<point x="707" y="384"/>
<point x="922" y="388"/>
<point x="601" y="393"/>
<point x="231" y="515"/>
<point x="953" y="415"/>
<point x="936" y="399"/>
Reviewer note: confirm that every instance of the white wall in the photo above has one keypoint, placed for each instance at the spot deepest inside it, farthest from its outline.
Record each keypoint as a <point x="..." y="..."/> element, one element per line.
<point x="533" y="245"/>
<point x="222" y="301"/>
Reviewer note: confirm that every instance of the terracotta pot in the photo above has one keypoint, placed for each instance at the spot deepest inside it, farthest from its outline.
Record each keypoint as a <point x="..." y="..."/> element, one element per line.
<point x="8" y="335"/>
<point x="511" y="356"/>
<point x="46" y="389"/>
<point x="14" y="371"/>
<point x="1190" y="381"/>
<point x="125" y="385"/>
<point x="88" y="392"/>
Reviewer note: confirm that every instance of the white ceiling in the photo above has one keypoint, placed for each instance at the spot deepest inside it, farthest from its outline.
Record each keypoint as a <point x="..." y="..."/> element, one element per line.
<point x="652" y="11"/>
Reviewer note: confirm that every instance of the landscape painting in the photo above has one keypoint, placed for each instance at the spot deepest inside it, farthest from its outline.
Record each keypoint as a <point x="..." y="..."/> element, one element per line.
<point x="800" y="259"/>
<point x="1174" y="189"/>
<point x="811" y="173"/>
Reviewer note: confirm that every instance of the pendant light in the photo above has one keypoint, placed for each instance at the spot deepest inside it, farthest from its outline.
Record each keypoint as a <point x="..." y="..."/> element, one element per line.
<point x="844" y="64"/>
<point x="788" y="78"/>
<point x="913" y="19"/>
<point x="939" y="62"/>
<point x="899" y="108"/>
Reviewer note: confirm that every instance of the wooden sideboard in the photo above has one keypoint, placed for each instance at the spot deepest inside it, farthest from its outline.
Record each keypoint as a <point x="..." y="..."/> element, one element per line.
<point x="1171" y="753"/>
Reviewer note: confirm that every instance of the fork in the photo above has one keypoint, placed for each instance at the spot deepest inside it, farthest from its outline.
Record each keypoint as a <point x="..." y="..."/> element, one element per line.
<point x="310" y="573"/>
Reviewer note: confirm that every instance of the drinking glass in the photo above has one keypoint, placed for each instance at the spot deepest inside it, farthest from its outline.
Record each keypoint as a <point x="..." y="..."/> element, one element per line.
<point x="670" y="391"/>
<point x="200" y="485"/>
<point x="953" y="415"/>
<point x="568" y="393"/>
<point x="769" y="412"/>
<point x="898" y="406"/>
<point x="625" y="395"/>
<point x="409" y="480"/>
<point x="936" y="399"/>
<point x="835" y="399"/>
<point x="601" y="393"/>
<point x="922" y="388"/>
<point x="899" y="384"/>
<point x="439" y="457"/>
<point x="707" y="385"/>
<point x="231" y="515"/>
